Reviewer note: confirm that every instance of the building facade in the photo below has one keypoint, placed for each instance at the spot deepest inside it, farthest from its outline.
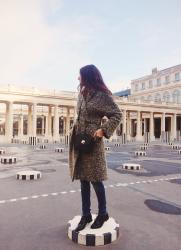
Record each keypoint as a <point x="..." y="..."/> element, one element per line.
<point x="160" y="86"/>
<point x="152" y="111"/>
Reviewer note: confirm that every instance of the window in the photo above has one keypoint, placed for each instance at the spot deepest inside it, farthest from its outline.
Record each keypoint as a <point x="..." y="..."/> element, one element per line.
<point x="143" y="85"/>
<point x="150" y="84"/>
<point x="136" y="87"/>
<point x="177" y="76"/>
<point x="157" y="98"/>
<point x="166" y="96"/>
<point x="176" y="96"/>
<point x="149" y="98"/>
<point x="142" y="98"/>
<point x="158" y="82"/>
<point x="167" y="79"/>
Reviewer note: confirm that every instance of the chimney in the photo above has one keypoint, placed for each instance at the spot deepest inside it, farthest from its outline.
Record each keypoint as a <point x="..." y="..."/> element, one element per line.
<point x="154" y="70"/>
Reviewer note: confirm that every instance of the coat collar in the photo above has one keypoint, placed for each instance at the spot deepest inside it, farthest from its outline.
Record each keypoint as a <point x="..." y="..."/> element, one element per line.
<point x="90" y="94"/>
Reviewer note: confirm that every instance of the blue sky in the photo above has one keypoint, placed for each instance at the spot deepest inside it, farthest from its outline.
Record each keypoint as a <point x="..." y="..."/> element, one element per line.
<point x="44" y="43"/>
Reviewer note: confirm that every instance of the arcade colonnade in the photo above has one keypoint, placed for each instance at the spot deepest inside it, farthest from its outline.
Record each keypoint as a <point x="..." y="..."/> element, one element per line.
<point x="135" y="125"/>
<point x="49" y="121"/>
<point x="49" y="114"/>
<point x="150" y="126"/>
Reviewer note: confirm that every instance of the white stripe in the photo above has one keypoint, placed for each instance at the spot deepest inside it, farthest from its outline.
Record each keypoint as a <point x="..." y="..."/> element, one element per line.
<point x="44" y="195"/>
<point x="12" y="200"/>
<point x="34" y="196"/>
<point x="3" y="201"/>
<point x="24" y="198"/>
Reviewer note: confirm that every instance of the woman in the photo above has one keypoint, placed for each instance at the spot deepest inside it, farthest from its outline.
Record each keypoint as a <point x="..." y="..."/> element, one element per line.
<point x="94" y="102"/>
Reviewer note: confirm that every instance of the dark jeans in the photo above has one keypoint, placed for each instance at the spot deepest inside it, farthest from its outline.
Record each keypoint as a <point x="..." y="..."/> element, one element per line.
<point x="85" y="194"/>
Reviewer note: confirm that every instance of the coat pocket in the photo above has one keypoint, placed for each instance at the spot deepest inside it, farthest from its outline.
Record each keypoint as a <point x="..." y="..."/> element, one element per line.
<point x="91" y="129"/>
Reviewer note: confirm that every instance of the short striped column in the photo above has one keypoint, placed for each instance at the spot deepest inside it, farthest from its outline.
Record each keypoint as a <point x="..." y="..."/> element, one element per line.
<point x="140" y="153"/>
<point x="2" y="151"/>
<point x="131" y="166"/>
<point x="108" y="233"/>
<point x="170" y="143"/>
<point x="42" y="146"/>
<point x="28" y="175"/>
<point x="107" y="148"/>
<point x="8" y="159"/>
<point x="143" y="147"/>
<point x="176" y="146"/>
<point x="117" y="144"/>
<point x="179" y="152"/>
<point x="59" y="150"/>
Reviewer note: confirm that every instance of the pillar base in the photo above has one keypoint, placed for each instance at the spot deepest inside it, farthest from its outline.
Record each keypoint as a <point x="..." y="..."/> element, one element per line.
<point x="108" y="233"/>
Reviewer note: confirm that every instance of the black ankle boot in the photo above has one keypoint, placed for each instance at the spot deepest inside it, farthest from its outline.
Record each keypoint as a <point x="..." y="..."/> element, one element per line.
<point x="83" y="222"/>
<point x="99" y="221"/>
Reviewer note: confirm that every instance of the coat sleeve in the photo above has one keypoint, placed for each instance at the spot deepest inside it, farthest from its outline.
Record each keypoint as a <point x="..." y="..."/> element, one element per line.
<point x="111" y="110"/>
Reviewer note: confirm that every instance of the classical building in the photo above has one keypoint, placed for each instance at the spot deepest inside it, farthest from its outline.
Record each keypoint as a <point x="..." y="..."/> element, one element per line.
<point x="29" y="112"/>
<point x="152" y="111"/>
<point x="161" y="88"/>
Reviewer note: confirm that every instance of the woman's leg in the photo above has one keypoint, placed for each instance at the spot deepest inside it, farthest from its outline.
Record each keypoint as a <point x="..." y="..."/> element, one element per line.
<point x="101" y="196"/>
<point x="85" y="194"/>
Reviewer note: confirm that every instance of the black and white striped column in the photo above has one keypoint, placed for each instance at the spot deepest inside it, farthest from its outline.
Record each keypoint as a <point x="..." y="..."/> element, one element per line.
<point x="108" y="233"/>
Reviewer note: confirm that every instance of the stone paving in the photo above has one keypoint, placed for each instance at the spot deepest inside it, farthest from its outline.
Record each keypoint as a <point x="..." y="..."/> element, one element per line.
<point x="146" y="203"/>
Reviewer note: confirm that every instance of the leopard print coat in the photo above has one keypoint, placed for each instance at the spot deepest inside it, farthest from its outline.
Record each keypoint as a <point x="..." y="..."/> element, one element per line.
<point x="93" y="166"/>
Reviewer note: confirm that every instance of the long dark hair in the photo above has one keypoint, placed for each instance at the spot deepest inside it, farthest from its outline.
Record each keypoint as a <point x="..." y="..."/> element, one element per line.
<point x="91" y="78"/>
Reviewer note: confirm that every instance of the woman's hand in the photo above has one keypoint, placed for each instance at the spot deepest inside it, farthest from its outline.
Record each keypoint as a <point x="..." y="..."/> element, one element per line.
<point x="99" y="133"/>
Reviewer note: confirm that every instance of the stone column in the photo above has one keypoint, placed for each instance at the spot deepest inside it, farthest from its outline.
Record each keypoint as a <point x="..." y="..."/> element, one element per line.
<point x="49" y="121"/>
<point x="68" y="121"/>
<point x="138" y="127"/>
<point x="9" y="122"/>
<point x="20" y="126"/>
<point x="128" y="132"/>
<point x="34" y="119"/>
<point x="30" y="120"/>
<point x="124" y="121"/>
<point x="163" y="126"/>
<point x="64" y="126"/>
<point x="46" y="126"/>
<point x="152" y="137"/>
<point x="145" y="126"/>
<point x="43" y="125"/>
<point x="174" y="127"/>
<point x="56" y="123"/>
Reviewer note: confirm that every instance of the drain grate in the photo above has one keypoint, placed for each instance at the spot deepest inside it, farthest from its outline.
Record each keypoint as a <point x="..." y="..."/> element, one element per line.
<point x="162" y="207"/>
<point x="177" y="181"/>
<point x="45" y="170"/>
<point x="63" y="160"/>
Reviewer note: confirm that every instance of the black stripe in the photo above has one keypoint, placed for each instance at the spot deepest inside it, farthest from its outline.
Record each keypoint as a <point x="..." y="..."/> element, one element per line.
<point x="23" y="177"/>
<point x="90" y="239"/>
<point x="107" y="238"/>
<point x="75" y="236"/>
<point x="31" y="176"/>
